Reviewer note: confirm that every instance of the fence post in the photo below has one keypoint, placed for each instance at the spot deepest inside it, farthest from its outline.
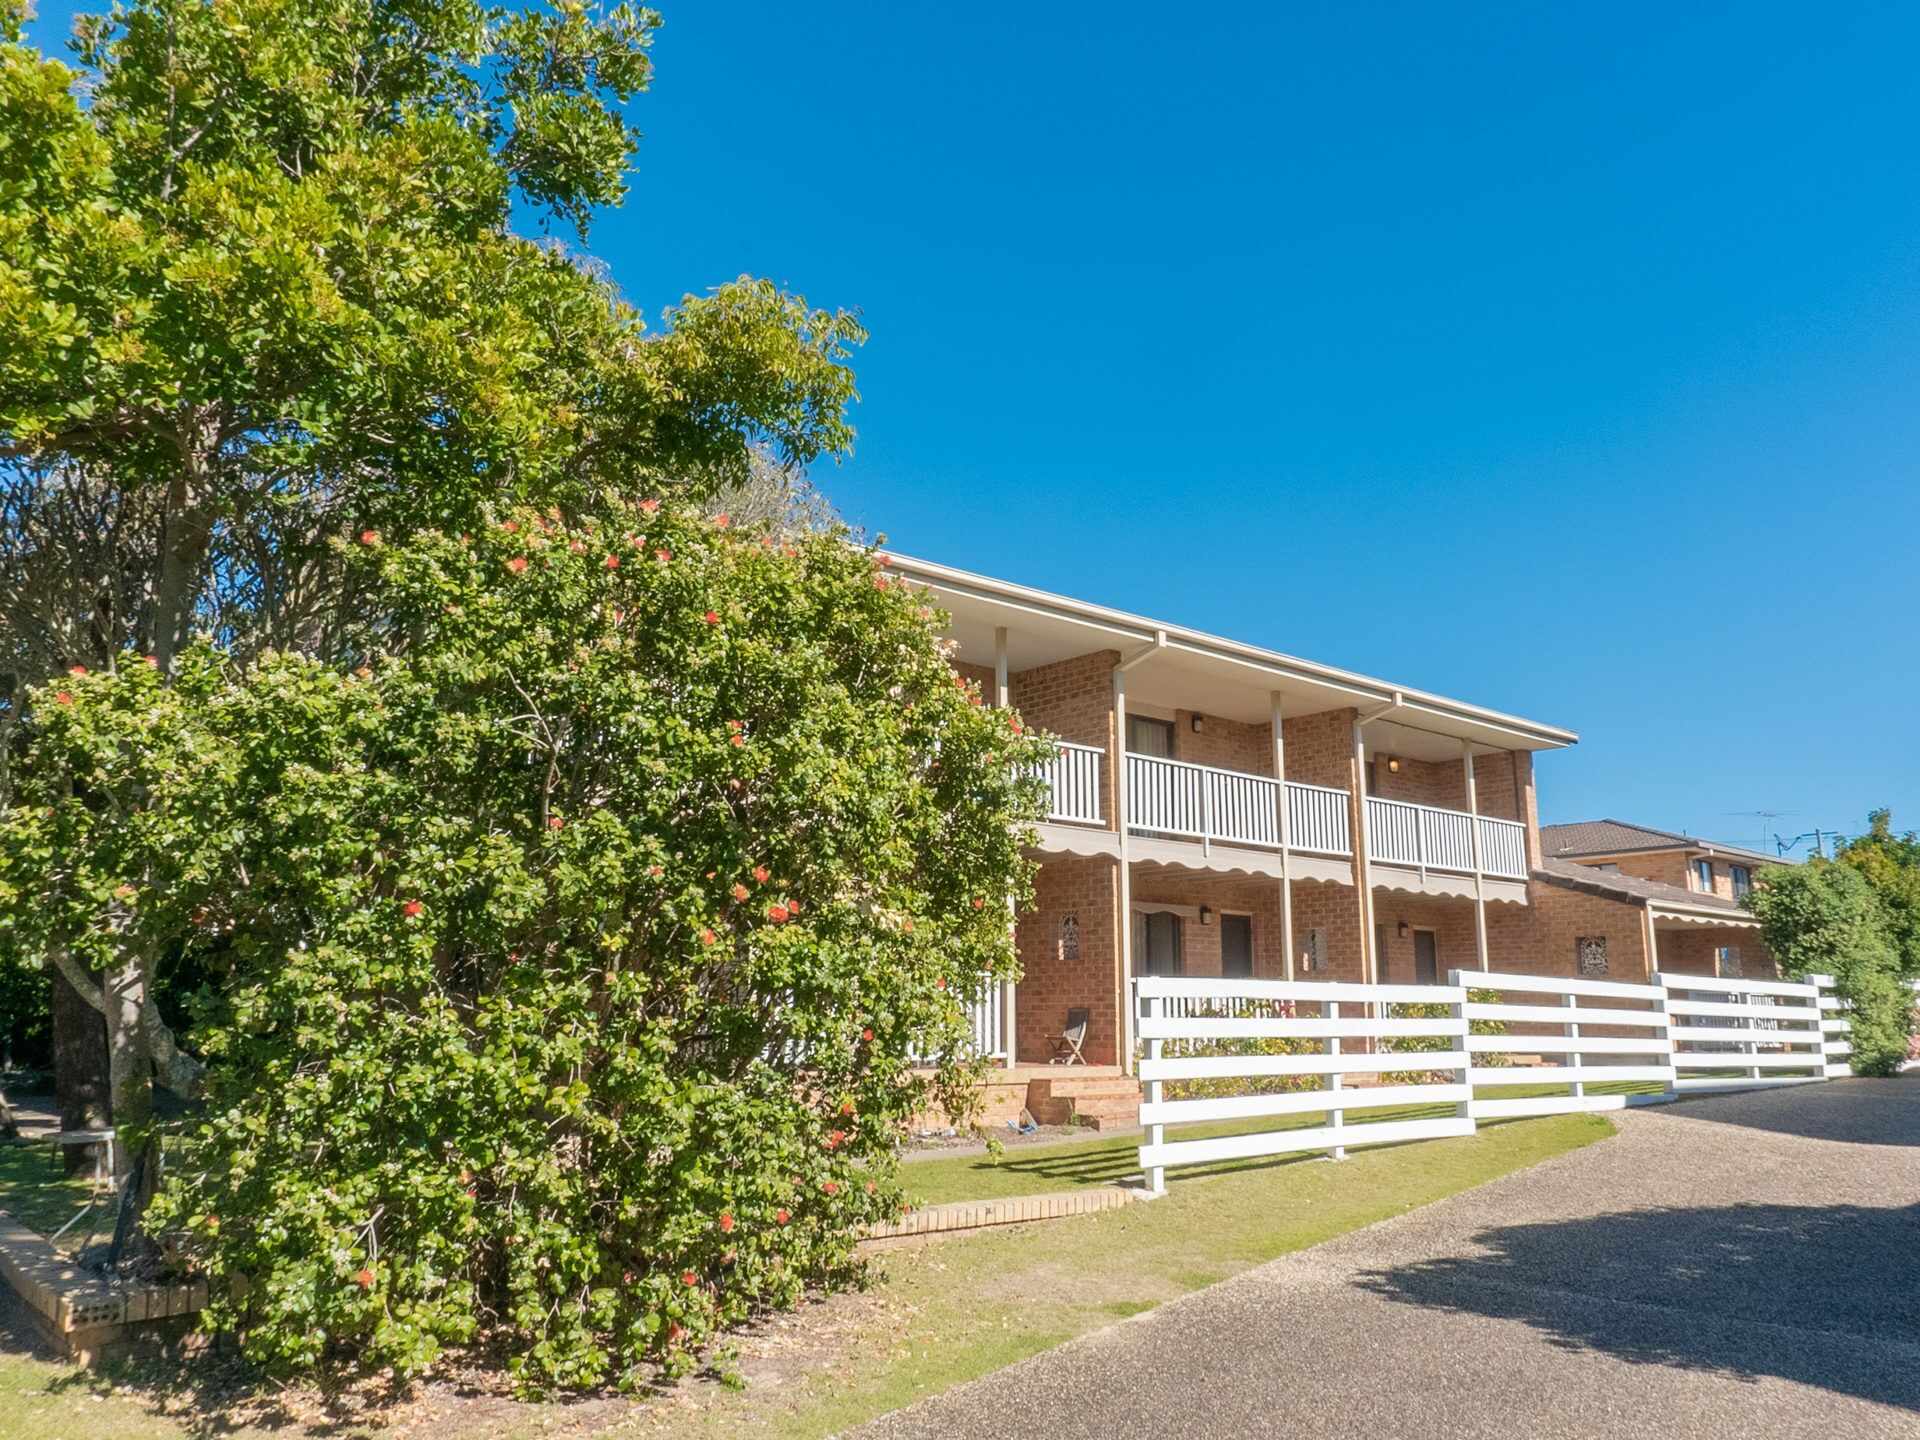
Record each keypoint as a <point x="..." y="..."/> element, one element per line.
<point x="1335" y="1119"/>
<point x="1465" y="1108"/>
<point x="1157" y="1176"/>
<point x="1750" y="1022"/>
<point x="1579" y="1087"/>
<point x="1671" y="1089"/>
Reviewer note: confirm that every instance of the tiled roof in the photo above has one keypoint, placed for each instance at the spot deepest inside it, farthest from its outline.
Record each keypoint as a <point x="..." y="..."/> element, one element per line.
<point x="1569" y="876"/>
<point x="1616" y="837"/>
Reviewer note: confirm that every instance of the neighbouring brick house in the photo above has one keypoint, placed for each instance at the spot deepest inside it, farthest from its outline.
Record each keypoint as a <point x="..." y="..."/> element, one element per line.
<point x="1690" y="893"/>
<point x="1217" y="808"/>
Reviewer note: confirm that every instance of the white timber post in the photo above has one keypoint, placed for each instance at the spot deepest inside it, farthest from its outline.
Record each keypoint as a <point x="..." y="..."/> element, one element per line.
<point x="1285" y="833"/>
<point x="1752" y="1022"/>
<point x="1335" y="1118"/>
<point x="1479" y="863"/>
<point x="1465" y="1108"/>
<point x="1363" y="858"/>
<point x="1125" y="882"/>
<point x="1572" y="1028"/>
<point x="1156" y="1134"/>
<point x="1003" y="697"/>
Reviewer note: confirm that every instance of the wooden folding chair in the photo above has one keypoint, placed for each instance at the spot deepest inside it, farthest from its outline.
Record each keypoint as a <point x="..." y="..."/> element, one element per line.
<point x="1066" y="1045"/>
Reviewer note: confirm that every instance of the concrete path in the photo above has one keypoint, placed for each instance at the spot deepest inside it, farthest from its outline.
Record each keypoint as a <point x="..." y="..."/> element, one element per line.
<point x="1742" y="1266"/>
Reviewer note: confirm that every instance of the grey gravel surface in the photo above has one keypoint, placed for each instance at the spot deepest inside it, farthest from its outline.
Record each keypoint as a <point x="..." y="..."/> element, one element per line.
<point x="1741" y="1266"/>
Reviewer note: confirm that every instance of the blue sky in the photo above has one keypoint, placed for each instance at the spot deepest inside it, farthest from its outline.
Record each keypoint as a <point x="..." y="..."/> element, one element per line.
<point x="1559" y="358"/>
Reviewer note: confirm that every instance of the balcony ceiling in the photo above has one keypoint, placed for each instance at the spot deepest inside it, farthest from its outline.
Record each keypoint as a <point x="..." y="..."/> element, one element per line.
<point x="1187" y="670"/>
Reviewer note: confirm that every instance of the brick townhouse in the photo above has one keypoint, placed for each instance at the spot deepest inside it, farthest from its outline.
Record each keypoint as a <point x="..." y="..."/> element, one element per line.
<point x="1692" y="891"/>
<point x="1217" y="808"/>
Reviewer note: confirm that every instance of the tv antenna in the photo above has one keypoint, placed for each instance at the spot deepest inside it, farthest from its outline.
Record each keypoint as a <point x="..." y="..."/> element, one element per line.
<point x="1766" y="819"/>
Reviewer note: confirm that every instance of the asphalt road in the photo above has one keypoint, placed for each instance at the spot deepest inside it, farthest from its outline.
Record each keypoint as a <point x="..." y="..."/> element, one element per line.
<point x="1741" y="1266"/>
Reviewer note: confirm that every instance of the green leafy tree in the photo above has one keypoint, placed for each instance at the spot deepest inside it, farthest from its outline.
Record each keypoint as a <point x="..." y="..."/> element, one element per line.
<point x="571" y="952"/>
<point x="1891" y="865"/>
<point x="260" y="293"/>
<point x="1822" y="918"/>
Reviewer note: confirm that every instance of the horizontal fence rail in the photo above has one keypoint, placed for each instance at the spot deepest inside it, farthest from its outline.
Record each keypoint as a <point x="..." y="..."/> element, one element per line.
<point x="1218" y="1049"/>
<point x="1072" y="778"/>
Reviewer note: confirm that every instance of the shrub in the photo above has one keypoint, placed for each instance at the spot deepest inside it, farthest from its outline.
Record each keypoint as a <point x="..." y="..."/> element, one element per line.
<point x="1826" y="918"/>
<point x="512" y="926"/>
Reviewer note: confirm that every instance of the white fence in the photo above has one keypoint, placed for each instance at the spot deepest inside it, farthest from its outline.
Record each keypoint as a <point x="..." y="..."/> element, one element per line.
<point x="1072" y="778"/>
<point x="1639" y="1042"/>
<point x="1343" y="1017"/>
<point x="1739" y="1034"/>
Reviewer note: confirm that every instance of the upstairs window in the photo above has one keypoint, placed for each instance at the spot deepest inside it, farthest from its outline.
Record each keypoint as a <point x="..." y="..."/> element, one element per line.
<point x="1703" y="876"/>
<point x="1742" y="880"/>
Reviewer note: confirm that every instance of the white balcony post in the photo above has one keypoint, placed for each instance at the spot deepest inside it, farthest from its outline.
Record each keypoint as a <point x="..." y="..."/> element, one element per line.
<point x="1363" y="857"/>
<point x="1003" y="697"/>
<point x="1284" y="820"/>
<point x="1479" y="862"/>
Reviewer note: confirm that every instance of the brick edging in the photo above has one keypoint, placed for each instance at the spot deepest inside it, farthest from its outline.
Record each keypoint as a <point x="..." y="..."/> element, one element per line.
<point x="962" y="1215"/>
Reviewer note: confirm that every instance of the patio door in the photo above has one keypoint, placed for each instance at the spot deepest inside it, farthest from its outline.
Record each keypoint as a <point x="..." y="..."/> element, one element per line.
<point x="1156" y="943"/>
<point x="1236" y="947"/>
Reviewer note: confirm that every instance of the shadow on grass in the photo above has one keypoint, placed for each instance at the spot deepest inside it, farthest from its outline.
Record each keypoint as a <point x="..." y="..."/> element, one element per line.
<point x="1749" y="1290"/>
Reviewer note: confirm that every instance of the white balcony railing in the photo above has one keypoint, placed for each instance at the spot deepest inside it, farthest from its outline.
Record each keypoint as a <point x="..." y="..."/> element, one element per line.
<point x="1072" y="778"/>
<point x="988" y="1017"/>
<point x="1201" y="802"/>
<point x="1430" y="838"/>
<point x="1318" y="819"/>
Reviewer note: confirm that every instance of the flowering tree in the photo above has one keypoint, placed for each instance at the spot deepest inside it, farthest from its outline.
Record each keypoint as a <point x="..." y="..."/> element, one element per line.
<point x="568" y="954"/>
<point x="260" y="289"/>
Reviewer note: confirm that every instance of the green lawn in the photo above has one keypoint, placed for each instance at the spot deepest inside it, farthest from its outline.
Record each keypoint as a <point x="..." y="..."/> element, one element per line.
<point x="35" y="1190"/>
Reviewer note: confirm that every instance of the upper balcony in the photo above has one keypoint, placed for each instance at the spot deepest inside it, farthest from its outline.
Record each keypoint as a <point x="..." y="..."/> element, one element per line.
<point x="1179" y="800"/>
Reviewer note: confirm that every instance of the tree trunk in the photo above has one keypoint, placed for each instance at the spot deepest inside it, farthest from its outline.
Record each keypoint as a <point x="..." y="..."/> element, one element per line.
<point x="79" y="1067"/>
<point x="129" y="1068"/>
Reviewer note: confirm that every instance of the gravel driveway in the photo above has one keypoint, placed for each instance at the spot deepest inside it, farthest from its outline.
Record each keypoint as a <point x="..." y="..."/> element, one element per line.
<point x="1738" y="1266"/>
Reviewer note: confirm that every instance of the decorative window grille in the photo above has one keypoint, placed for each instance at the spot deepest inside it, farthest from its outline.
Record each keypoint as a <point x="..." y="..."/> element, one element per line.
<point x="1726" y="962"/>
<point x="1592" y="952"/>
<point x="1070" y="936"/>
<point x="1313" y="955"/>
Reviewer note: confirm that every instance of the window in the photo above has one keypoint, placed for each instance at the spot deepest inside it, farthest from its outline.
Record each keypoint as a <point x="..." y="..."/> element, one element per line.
<point x="1371" y="775"/>
<point x="1703" y="876"/>
<point x="1742" y="880"/>
<point x="1591" y="952"/>
<point x="1070" y="936"/>
<point x="1148" y="736"/>
<point x="1726" y="962"/>
<point x="1610" y="868"/>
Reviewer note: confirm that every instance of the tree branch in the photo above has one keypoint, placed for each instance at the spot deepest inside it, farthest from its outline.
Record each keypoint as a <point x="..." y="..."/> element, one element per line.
<point x="84" y="985"/>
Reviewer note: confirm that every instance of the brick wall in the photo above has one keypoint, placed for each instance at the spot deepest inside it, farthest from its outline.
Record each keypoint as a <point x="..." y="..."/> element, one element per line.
<point x="1421" y="782"/>
<point x="1320" y="748"/>
<point x="1335" y="909"/>
<point x="1073" y="699"/>
<point x="1051" y="983"/>
<point x="1691" y="952"/>
<point x="1539" y="938"/>
<point x="1451" y="922"/>
<point x="1668" y="867"/>
<point x="1225" y="744"/>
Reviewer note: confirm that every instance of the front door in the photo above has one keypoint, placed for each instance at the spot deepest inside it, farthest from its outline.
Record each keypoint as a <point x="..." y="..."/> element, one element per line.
<point x="1236" y="947"/>
<point x="1426" y="958"/>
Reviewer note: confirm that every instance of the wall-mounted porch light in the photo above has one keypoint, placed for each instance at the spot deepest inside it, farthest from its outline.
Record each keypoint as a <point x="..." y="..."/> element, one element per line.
<point x="1402" y="932"/>
<point x="1206" y="915"/>
<point x="1199" y="723"/>
<point x="1393" y="764"/>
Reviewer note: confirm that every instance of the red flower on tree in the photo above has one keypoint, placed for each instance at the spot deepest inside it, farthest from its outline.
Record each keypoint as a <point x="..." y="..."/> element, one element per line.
<point x="726" y="1224"/>
<point x="364" y="1279"/>
<point x="739" y="892"/>
<point x="707" y="937"/>
<point x="777" y="914"/>
<point x="369" y="537"/>
<point x="713" y="617"/>
<point x="831" y="1187"/>
<point x="720" y="522"/>
<point x="663" y="556"/>
<point x="512" y="527"/>
<point x="613" y="562"/>
<point x="779" y="1217"/>
<point x="649" y="506"/>
<point x="412" y="908"/>
<point x="760" y="874"/>
<point x="63" y="698"/>
<point x="554" y="822"/>
<point x="517" y="564"/>
<point x="687" y="1277"/>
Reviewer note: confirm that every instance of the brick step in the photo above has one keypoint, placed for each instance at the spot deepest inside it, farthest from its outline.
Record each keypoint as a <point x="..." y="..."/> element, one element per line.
<point x="1096" y="1101"/>
<point x="1090" y="1086"/>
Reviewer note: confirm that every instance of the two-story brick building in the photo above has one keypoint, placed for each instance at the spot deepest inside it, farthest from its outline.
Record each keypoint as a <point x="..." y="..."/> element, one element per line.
<point x="1218" y="808"/>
